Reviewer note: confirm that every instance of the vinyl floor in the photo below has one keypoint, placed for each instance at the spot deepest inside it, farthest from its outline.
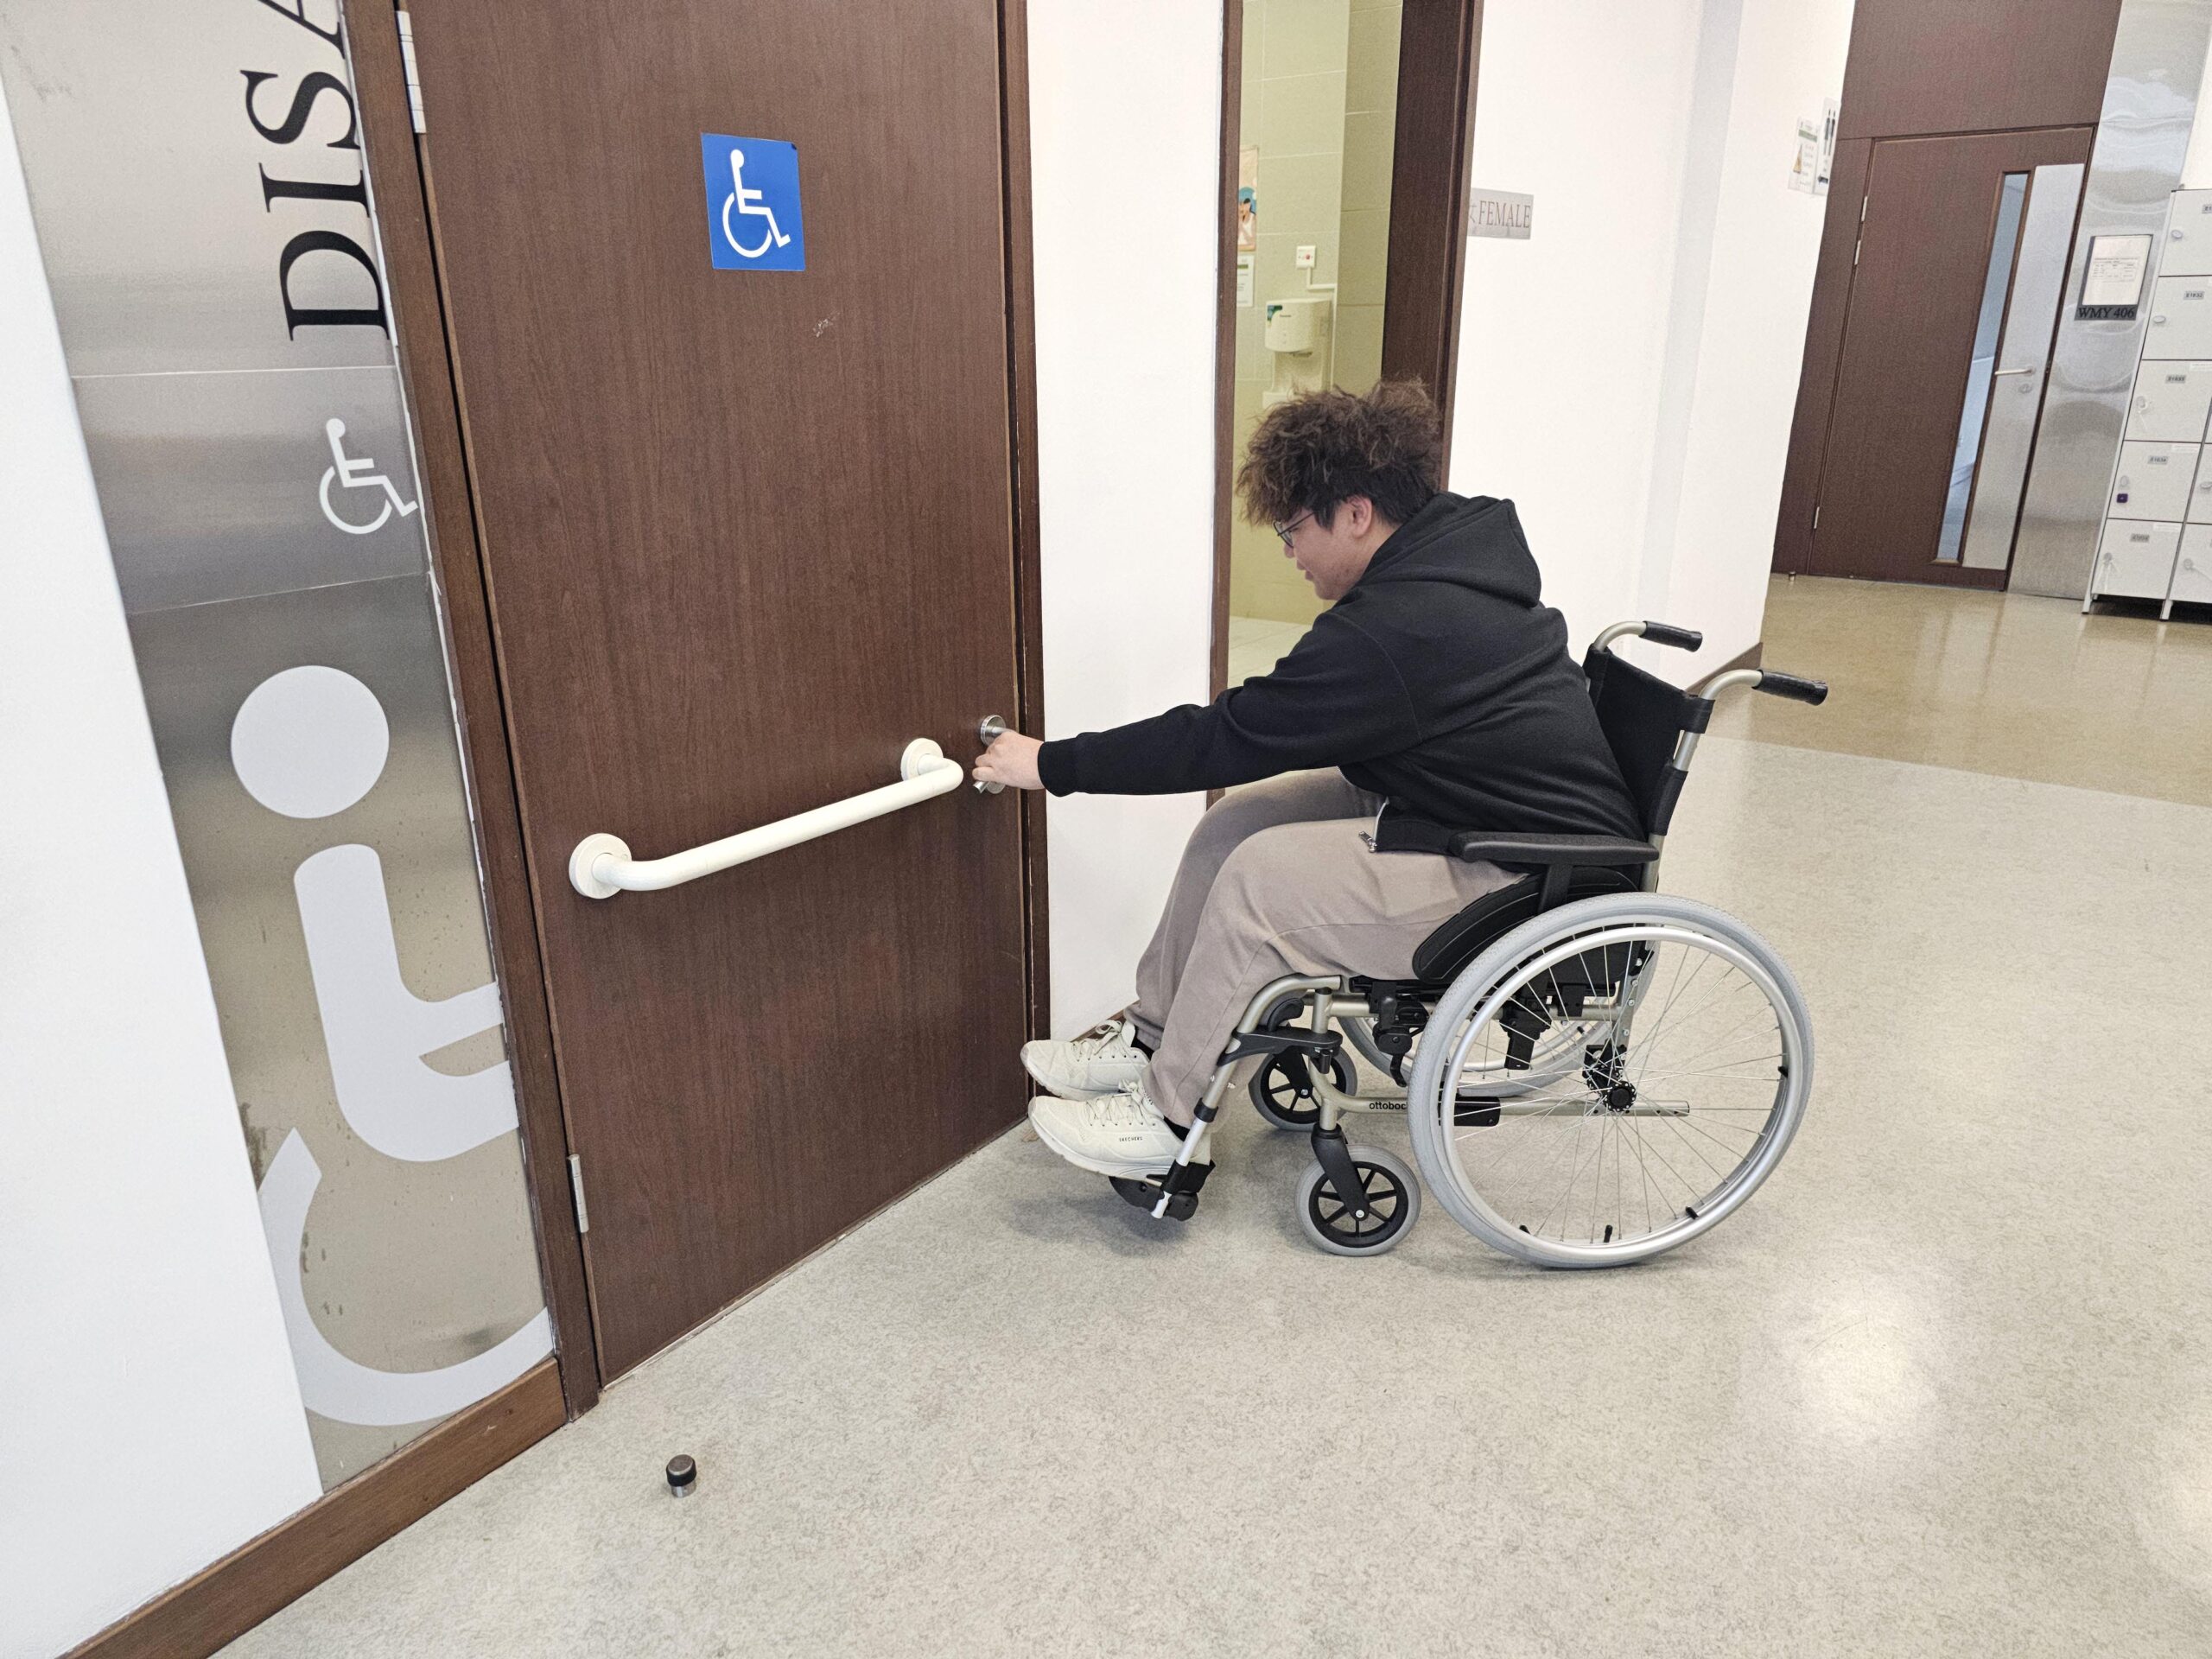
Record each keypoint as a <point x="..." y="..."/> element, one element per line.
<point x="1943" y="1387"/>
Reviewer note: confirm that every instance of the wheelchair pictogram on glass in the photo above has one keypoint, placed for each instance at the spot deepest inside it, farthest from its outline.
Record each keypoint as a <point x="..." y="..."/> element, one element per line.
<point x="754" y="221"/>
<point x="358" y="472"/>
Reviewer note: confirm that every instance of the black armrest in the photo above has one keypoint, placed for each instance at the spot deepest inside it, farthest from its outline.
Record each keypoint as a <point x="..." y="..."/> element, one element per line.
<point x="1583" y="852"/>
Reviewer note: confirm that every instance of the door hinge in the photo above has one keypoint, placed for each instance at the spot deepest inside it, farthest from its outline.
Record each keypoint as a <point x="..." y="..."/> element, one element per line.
<point x="1863" y="201"/>
<point x="576" y="1187"/>
<point x="407" y="63"/>
<point x="1854" y="253"/>
<point x="1816" y="515"/>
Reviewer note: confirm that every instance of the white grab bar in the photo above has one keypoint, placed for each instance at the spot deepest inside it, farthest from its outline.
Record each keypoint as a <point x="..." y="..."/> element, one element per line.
<point x="602" y="866"/>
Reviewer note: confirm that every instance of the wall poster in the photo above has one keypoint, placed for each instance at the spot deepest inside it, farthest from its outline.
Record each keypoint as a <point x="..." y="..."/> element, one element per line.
<point x="1248" y="199"/>
<point x="2112" y="287"/>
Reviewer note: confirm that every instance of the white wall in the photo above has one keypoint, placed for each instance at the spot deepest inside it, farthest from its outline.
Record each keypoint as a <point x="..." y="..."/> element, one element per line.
<point x="1125" y="137"/>
<point x="1709" y="567"/>
<point x="1583" y="104"/>
<point x="1627" y="376"/>
<point x="149" y="1421"/>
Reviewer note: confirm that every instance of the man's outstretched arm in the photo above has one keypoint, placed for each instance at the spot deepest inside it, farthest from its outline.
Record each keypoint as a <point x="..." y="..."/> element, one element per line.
<point x="1335" y="698"/>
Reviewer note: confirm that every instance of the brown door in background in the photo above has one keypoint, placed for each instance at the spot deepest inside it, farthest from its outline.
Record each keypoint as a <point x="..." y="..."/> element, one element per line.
<point x="745" y="533"/>
<point x="1936" y="261"/>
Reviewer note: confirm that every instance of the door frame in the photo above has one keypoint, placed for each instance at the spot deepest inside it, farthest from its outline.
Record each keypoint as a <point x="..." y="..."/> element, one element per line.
<point x="398" y="180"/>
<point x="1440" y="51"/>
<point x="402" y="171"/>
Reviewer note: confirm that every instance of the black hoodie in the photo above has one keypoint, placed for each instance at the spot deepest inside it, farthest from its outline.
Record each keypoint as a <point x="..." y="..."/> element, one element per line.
<point x="1441" y="682"/>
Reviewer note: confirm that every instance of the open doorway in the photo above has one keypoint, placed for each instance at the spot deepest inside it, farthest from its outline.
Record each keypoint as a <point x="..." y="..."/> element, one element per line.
<point x="1345" y="132"/>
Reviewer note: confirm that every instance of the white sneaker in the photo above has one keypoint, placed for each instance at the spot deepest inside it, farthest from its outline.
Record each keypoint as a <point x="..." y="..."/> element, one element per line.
<point x="1102" y="1061"/>
<point x="1122" y="1133"/>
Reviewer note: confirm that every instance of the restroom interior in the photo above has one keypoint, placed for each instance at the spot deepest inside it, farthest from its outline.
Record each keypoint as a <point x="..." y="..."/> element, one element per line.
<point x="1316" y="138"/>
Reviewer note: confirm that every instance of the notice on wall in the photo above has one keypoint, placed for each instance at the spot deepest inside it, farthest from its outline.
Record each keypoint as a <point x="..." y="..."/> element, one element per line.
<point x="1829" y="125"/>
<point x="1503" y="213"/>
<point x="1805" y="168"/>
<point x="2113" y="287"/>
<point x="1245" y="279"/>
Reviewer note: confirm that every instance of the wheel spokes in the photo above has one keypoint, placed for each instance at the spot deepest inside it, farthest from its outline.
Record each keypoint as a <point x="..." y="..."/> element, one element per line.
<point x="1654" y="1114"/>
<point x="1381" y="1198"/>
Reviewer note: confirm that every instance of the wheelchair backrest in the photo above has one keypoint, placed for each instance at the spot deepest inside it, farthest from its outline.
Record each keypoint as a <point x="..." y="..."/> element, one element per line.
<point x="1644" y="718"/>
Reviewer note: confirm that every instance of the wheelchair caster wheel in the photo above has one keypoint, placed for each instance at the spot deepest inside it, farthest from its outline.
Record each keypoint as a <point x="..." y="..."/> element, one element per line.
<point x="1377" y="1220"/>
<point x="1282" y="1091"/>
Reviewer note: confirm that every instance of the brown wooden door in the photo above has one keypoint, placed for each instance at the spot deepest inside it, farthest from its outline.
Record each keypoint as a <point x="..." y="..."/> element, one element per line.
<point x="745" y="534"/>
<point x="1916" y="297"/>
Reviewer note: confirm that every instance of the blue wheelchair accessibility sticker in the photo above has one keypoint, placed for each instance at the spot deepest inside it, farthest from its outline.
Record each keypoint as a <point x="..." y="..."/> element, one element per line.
<point x="753" y="221"/>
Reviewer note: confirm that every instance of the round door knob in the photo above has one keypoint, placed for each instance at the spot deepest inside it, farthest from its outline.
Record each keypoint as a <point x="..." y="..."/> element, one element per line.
<point x="988" y="730"/>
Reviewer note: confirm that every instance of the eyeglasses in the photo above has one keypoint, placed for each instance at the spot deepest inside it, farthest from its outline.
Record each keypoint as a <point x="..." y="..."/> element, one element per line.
<point x="1284" y="530"/>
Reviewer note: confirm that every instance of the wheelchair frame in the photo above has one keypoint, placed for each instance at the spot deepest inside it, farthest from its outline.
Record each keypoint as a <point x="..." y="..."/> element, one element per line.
<point x="1345" y="1001"/>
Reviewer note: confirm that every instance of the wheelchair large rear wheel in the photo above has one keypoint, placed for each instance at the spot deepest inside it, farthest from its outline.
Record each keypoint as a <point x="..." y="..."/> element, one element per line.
<point x="1696" y="1061"/>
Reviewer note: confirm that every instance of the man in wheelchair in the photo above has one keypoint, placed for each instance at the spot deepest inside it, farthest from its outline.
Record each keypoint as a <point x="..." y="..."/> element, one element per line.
<point x="1434" y="696"/>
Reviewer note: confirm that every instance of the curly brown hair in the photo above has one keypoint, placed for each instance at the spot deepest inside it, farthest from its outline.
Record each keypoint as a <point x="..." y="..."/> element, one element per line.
<point x="1323" y="447"/>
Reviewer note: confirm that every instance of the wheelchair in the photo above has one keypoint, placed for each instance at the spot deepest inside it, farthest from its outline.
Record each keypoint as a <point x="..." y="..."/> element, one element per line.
<point x="1593" y="1071"/>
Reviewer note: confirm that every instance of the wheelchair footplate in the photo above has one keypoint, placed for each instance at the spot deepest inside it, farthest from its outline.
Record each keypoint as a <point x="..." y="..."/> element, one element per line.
<point x="1180" y="1185"/>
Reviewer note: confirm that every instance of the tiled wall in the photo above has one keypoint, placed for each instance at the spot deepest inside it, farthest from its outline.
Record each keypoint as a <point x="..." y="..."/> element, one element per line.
<point x="1319" y="102"/>
<point x="1363" y="232"/>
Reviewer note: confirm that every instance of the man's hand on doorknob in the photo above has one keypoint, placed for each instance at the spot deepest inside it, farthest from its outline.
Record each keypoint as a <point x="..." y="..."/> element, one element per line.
<point x="1012" y="760"/>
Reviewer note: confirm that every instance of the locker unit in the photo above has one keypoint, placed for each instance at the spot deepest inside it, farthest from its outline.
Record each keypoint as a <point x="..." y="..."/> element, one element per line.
<point x="2136" y="559"/>
<point x="2181" y="316"/>
<point x="2200" y="497"/>
<point x="2153" y="481"/>
<point x="2192" y="583"/>
<point x="2171" y="404"/>
<point x="2187" y="250"/>
<point x="2156" y="542"/>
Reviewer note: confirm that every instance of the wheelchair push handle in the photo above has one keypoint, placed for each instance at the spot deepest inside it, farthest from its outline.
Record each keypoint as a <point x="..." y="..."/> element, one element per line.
<point x="1659" y="634"/>
<point x="1665" y="634"/>
<point x="1790" y="685"/>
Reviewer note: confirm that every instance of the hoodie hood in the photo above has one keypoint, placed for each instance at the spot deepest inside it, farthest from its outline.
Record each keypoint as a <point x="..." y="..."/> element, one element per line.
<point x="1470" y="541"/>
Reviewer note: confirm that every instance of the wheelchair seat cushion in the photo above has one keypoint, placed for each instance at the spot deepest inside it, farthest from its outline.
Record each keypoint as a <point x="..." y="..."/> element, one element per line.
<point x="1457" y="941"/>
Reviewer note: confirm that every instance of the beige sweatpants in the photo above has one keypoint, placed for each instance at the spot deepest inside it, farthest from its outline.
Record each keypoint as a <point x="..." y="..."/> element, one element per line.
<point x="1276" y="880"/>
